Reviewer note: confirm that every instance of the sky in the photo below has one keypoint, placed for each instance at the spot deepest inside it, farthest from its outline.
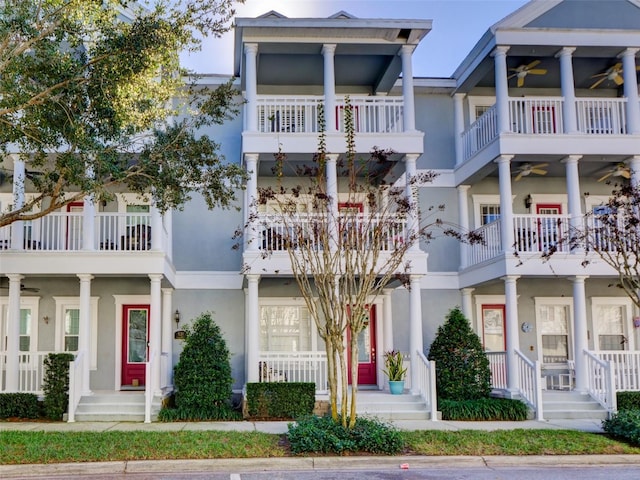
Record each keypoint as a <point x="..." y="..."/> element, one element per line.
<point x="457" y="26"/>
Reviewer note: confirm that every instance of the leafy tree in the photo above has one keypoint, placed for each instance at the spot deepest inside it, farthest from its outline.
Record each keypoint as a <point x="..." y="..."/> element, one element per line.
<point x="93" y="99"/>
<point x="202" y="376"/>
<point x="463" y="368"/>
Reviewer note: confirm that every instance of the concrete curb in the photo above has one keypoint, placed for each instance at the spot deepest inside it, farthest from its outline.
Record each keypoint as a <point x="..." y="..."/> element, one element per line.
<point x="238" y="465"/>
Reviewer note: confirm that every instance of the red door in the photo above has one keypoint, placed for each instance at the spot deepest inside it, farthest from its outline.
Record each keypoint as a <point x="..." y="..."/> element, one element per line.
<point x="367" y="352"/>
<point x="73" y="240"/>
<point x="135" y="338"/>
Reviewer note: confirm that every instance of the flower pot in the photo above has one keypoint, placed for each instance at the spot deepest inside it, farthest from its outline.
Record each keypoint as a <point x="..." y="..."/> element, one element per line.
<point x="397" y="387"/>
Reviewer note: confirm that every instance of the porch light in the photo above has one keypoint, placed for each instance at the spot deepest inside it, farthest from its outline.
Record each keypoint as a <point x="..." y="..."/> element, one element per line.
<point x="528" y="201"/>
<point x="45" y="319"/>
<point x="176" y="317"/>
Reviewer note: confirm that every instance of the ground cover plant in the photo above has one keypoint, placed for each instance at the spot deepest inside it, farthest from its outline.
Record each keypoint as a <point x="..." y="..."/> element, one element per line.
<point x="625" y="425"/>
<point x="487" y="409"/>
<point x="20" y="447"/>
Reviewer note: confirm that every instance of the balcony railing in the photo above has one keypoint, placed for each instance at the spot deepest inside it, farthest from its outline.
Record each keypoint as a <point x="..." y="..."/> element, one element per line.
<point x="64" y="232"/>
<point x="292" y="114"/>
<point x="276" y="234"/>
<point x="544" y="116"/>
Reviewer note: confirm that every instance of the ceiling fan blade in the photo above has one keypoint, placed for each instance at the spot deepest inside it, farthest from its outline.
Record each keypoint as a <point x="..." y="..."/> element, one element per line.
<point x="605" y="176"/>
<point x="538" y="71"/>
<point x="625" y="173"/>
<point x="518" y="177"/>
<point x="540" y="165"/>
<point x="520" y="81"/>
<point x="538" y="171"/>
<point x="597" y="83"/>
<point x="603" y="74"/>
<point x="532" y="64"/>
<point x="618" y="80"/>
<point x="511" y="76"/>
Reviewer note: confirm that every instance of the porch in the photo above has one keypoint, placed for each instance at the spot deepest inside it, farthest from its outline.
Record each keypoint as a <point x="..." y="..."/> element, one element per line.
<point x="543" y="117"/>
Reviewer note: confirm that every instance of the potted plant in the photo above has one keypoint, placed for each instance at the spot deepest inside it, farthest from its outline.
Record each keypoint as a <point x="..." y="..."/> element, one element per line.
<point x="394" y="369"/>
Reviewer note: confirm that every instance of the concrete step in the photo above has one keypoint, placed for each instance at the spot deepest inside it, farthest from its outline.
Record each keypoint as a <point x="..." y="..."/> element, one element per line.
<point x="571" y="405"/>
<point x="115" y="407"/>
<point x="386" y="406"/>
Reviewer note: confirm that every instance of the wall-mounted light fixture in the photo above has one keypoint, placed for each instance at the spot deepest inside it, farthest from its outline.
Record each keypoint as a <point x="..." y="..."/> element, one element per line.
<point x="45" y="319"/>
<point x="176" y="317"/>
<point x="528" y="201"/>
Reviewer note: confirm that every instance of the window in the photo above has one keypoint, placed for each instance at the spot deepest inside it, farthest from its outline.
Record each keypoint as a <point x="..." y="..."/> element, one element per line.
<point x="68" y="327"/>
<point x="285" y="328"/>
<point x="481" y="110"/>
<point x="611" y="319"/>
<point x="486" y="209"/>
<point x="553" y="323"/>
<point x="71" y="329"/>
<point x="493" y="328"/>
<point x="489" y="213"/>
<point x="27" y="328"/>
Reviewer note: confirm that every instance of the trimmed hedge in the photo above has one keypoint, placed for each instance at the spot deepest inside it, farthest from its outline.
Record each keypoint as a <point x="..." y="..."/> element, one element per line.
<point x="483" y="409"/>
<point x="323" y="435"/>
<point x="628" y="400"/>
<point x="288" y="400"/>
<point x="625" y="425"/>
<point x="19" y="405"/>
<point x="55" y="384"/>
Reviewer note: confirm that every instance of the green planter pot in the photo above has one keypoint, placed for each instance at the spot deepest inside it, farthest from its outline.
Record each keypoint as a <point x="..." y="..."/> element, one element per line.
<point x="396" y="388"/>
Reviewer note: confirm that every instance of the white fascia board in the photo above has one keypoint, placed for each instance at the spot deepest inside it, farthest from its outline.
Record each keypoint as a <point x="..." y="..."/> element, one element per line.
<point x="445" y="178"/>
<point x="525" y="14"/>
<point x="440" y="281"/>
<point x="573" y="37"/>
<point x="207" y="280"/>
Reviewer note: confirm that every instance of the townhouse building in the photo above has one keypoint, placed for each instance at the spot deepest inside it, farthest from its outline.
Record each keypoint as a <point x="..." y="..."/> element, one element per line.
<point x="523" y="136"/>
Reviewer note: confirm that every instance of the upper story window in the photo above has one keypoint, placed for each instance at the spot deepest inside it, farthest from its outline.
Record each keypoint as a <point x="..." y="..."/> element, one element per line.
<point x="489" y="213"/>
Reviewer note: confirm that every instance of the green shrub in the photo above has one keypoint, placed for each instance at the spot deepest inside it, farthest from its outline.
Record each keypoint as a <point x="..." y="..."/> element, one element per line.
<point x="462" y="368"/>
<point x="483" y="409"/>
<point x="202" y="376"/>
<point x="280" y="400"/>
<point x="19" y="405"/>
<point x="628" y="400"/>
<point x="323" y="435"/>
<point x="625" y="425"/>
<point x="55" y="384"/>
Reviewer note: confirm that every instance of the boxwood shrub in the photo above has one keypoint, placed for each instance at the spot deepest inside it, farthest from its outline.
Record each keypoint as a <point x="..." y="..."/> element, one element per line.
<point x="55" y="384"/>
<point x="19" y="405"/>
<point x="624" y="425"/>
<point x="628" y="400"/>
<point x="483" y="409"/>
<point x="282" y="400"/>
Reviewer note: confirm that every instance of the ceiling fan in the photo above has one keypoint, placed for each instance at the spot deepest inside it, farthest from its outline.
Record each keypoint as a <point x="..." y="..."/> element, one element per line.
<point x="613" y="73"/>
<point x="527" y="169"/>
<point x="618" y="170"/>
<point x="6" y="175"/>
<point x="524" y="70"/>
<point x="23" y="288"/>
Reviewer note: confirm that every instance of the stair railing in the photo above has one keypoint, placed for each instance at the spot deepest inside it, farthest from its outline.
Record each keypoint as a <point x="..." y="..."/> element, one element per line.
<point x="601" y="381"/>
<point x="75" y="385"/>
<point x="426" y="386"/>
<point x="148" y="390"/>
<point x="530" y="377"/>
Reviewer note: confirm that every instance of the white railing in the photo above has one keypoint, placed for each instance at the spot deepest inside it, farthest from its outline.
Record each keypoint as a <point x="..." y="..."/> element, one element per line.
<point x="602" y="116"/>
<point x="277" y="232"/>
<point x="539" y="116"/>
<point x="538" y="233"/>
<point x="601" y="381"/>
<point x="529" y="375"/>
<point x="498" y="367"/>
<point x="626" y="368"/>
<point x="3" y="371"/>
<point x="31" y="371"/>
<point x="372" y="114"/>
<point x="490" y="247"/>
<point x="165" y="371"/>
<point x="480" y="133"/>
<point x="426" y="386"/>
<point x="294" y="367"/>
<point x="148" y="389"/>
<point x="75" y="385"/>
<point x="124" y="231"/>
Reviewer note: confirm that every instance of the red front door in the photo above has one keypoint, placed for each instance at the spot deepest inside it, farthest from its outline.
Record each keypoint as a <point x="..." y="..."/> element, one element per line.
<point x="135" y="338"/>
<point x="367" y="352"/>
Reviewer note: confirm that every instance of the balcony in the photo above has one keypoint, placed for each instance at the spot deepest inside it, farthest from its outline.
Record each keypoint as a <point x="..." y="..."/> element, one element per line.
<point x="543" y="117"/>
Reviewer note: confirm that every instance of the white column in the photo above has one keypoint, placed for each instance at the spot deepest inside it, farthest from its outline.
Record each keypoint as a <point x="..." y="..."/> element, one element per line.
<point x="155" y="332"/>
<point x="331" y="174"/>
<point x="568" y="90"/>
<point x="387" y="326"/>
<point x="580" y="331"/>
<point x="328" y="52"/>
<point x="506" y="203"/>
<point x="156" y="228"/>
<point x="167" y="335"/>
<point x="13" y="334"/>
<point x="89" y="223"/>
<point x="573" y="193"/>
<point x="634" y="165"/>
<point x="252" y="327"/>
<point x="19" y="177"/>
<point x="409" y="114"/>
<point x="502" y="88"/>
<point x="251" y="162"/>
<point x="630" y="87"/>
<point x="168" y="223"/>
<point x="458" y="119"/>
<point x="84" y="338"/>
<point x="251" y="86"/>
<point x="463" y="219"/>
<point x="467" y="304"/>
<point x="512" y="335"/>
<point x="415" y="328"/>
<point x="413" y="221"/>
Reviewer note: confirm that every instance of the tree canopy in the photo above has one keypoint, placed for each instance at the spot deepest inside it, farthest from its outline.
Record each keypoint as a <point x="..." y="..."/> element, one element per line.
<point x="93" y="98"/>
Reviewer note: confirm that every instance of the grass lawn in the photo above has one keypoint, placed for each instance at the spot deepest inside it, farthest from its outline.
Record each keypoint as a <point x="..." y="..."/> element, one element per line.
<point x="17" y="447"/>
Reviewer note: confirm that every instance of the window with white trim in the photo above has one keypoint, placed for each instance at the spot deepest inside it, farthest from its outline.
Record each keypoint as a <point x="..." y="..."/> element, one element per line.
<point x="285" y="328"/>
<point x="28" y="324"/>
<point x="68" y="327"/>
<point x="489" y="213"/>
<point x="611" y="319"/>
<point x="553" y="319"/>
